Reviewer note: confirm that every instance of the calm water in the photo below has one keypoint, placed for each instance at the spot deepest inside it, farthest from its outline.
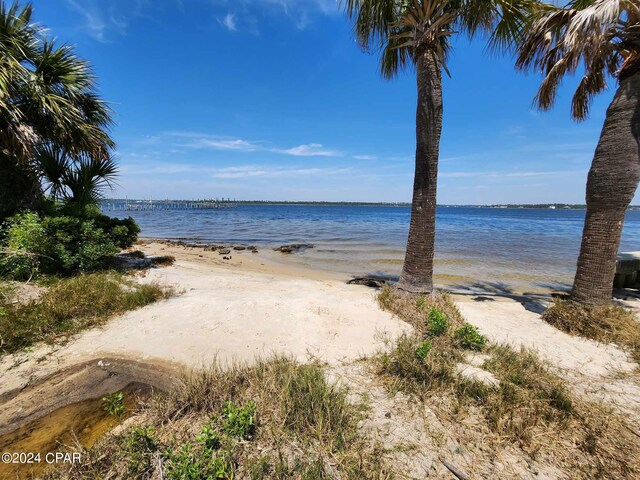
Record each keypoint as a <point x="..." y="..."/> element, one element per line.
<point x="523" y="249"/>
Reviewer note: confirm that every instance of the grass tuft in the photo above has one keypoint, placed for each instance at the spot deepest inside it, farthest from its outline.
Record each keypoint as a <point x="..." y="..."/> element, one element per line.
<point x="609" y="324"/>
<point x="163" y="260"/>
<point x="530" y="407"/>
<point x="70" y="305"/>
<point x="274" y="419"/>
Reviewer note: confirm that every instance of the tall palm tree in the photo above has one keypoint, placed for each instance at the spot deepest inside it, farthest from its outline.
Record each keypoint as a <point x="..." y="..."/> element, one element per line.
<point x="416" y="33"/>
<point x="47" y="98"/>
<point x="602" y="36"/>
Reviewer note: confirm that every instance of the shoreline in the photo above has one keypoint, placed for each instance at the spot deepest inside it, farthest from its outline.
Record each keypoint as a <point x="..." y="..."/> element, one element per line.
<point x="257" y="305"/>
<point x="298" y="263"/>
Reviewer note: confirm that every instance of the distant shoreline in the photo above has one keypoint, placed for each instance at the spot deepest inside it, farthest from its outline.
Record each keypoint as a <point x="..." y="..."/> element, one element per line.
<point x="551" y="206"/>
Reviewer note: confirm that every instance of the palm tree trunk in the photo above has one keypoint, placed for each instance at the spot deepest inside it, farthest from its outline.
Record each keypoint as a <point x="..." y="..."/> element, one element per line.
<point x="417" y="271"/>
<point x="611" y="186"/>
<point x="19" y="188"/>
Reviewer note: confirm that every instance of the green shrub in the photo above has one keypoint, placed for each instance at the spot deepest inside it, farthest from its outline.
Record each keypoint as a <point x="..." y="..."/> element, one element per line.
<point x="209" y="437"/>
<point x="437" y="322"/>
<point x="467" y="336"/>
<point x="24" y="237"/>
<point x="75" y="244"/>
<point x="239" y="421"/>
<point x="197" y="462"/>
<point x="122" y="232"/>
<point x="423" y="350"/>
<point x="61" y="243"/>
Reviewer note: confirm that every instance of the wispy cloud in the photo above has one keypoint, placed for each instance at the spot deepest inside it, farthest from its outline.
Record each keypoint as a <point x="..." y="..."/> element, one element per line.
<point x="206" y="141"/>
<point x="246" y="171"/>
<point x="365" y="157"/>
<point x="235" y="144"/>
<point x="311" y="150"/>
<point x="229" y="22"/>
<point x="231" y="172"/>
<point x="105" y="20"/>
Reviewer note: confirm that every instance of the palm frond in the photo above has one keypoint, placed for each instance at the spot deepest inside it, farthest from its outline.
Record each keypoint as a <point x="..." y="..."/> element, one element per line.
<point x="601" y="36"/>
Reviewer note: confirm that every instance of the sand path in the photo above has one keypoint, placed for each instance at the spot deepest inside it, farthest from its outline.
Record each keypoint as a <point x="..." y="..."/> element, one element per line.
<point x="236" y="311"/>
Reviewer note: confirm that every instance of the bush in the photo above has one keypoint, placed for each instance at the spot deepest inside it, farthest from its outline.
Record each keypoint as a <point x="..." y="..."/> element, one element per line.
<point x="75" y="244"/>
<point x="437" y="322"/>
<point x="467" y="336"/>
<point x="24" y="237"/>
<point x="61" y="243"/>
<point x="123" y="232"/>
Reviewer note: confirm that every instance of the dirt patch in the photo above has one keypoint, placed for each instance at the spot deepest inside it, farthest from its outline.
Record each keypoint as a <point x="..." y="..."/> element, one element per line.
<point x="77" y="383"/>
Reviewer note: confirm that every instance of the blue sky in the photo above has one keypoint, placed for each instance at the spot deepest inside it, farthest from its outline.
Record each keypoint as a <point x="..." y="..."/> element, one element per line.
<point x="273" y="100"/>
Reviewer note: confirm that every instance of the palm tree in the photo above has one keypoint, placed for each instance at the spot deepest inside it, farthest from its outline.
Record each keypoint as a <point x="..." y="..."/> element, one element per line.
<point x="47" y="100"/>
<point x="603" y="36"/>
<point x="76" y="180"/>
<point x="416" y="33"/>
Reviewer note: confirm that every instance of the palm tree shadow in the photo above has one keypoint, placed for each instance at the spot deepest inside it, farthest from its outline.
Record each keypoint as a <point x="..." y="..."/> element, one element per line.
<point x="492" y="291"/>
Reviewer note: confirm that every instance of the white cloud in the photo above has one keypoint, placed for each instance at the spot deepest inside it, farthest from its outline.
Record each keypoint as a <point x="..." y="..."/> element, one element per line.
<point x="229" y="22"/>
<point x="365" y="157"/>
<point x="310" y="150"/>
<point x="207" y="141"/>
<point x="103" y="20"/>
<point x="235" y="144"/>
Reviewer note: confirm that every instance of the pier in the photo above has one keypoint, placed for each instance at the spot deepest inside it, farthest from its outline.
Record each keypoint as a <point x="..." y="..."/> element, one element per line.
<point x="627" y="270"/>
<point x="147" y="205"/>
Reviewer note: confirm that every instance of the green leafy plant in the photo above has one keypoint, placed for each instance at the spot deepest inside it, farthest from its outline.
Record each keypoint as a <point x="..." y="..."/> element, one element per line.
<point x="24" y="238"/>
<point x="114" y="404"/>
<point x="423" y="349"/>
<point x="209" y="437"/>
<point x="76" y="244"/>
<point x="239" y="421"/>
<point x="467" y="336"/>
<point x="197" y="462"/>
<point x="139" y="447"/>
<point x="437" y="323"/>
<point x="421" y="303"/>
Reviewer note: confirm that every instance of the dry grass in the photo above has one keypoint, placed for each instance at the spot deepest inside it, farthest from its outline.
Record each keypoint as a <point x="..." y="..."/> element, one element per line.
<point x="610" y="324"/>
<point x="70" y="305"/>
<point x="305" y="428"/>
<point x="163" y="260"/>
<point x="532" y="408"/>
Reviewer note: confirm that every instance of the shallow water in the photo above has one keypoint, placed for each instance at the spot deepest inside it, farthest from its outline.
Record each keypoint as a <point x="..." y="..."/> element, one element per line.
<point x="63" y="429"/>
<point x="520" y="249"/>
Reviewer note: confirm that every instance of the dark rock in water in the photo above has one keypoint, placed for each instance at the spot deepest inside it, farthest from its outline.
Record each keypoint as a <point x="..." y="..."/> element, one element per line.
<point x="224" y="251"/>
<point x="239" y="247"/>
<point x="374" y="281"/>
<point x="296" y="247"/>
<point x="255" y="250"/>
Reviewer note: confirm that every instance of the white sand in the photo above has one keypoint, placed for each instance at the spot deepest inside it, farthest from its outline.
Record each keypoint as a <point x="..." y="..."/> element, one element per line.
<point x="252" y="307"/>
<point x="229" y="312"/>
<point x="507" y="321"/>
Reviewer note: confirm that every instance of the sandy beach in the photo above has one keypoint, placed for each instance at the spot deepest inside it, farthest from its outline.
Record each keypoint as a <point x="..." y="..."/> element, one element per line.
<point x="255" y="305"/>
